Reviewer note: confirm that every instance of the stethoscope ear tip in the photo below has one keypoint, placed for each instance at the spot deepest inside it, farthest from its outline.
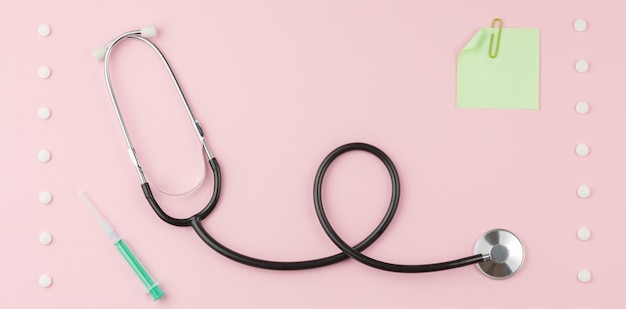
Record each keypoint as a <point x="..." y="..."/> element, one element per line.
<point x="149" y="31"/>
<point x="504" y="253"/>
<point x="99" y="53"/>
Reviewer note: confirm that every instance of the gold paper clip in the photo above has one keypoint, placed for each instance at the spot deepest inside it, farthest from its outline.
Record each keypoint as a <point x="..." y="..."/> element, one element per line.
<point x="493" y="24"/>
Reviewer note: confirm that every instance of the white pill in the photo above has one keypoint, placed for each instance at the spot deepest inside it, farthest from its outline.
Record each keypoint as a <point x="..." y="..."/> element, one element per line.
<point x="584" y="191"/>
<point x="45" y="281"/>
<point x="43" y="72"/>
<point x="43" y="113"/>
<point x="582" y="66"/>
<point x="580" y="25"/>
<point x="584" y="233"/>
<point x="45" y="197"/>
<point x="584" y="276"/>
<point x="582" y="107"/>
<point x="45" y="238"/>
<point x="582" y="150"/>
<point x="44" y="156"/>
<point x="43" y="30"/>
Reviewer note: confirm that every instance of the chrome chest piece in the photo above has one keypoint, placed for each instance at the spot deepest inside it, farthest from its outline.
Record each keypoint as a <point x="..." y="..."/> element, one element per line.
<point x="504" y="252"/>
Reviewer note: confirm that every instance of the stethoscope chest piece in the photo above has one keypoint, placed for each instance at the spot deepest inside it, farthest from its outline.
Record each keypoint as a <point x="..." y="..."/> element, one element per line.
<point x="505" y="254"/>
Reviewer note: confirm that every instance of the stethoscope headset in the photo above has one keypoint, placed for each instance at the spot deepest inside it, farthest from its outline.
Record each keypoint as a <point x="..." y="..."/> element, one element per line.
<point x="498" y="253"/>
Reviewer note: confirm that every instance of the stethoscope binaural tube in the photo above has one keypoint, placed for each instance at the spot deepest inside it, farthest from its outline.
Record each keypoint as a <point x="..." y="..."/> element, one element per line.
<point x="506" y="264"/>
<point x="104" y="52"/>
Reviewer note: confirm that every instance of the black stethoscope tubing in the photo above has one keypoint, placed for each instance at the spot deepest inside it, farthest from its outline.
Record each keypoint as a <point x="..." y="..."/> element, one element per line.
<point x="195" y="222"/>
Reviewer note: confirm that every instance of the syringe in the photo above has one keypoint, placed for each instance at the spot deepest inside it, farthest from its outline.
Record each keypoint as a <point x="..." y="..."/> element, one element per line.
<point x="128" y="255"/>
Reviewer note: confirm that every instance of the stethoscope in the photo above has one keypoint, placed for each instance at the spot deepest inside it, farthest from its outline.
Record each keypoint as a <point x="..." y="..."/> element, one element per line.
<point x="498" y="253"/>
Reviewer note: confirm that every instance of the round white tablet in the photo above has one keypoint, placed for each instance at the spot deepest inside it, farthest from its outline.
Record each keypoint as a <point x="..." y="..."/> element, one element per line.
<point x="584" y="233"/>
<point x="582" y="66"/>
<point x="45" y="197"/>
<point x="580" y="25"/>
<point x="583" y="191"/>
<point x="582" y="107"/>
<point x="582" y="150"/>
<point x="44" y="156"/>
<point x="44" y="72"/>
<point x="45" y="238"/>
<point x="43" y="30"/>
<point x="584" y="276"/>
<point x="43" y="113"/>
<point x="45" y="281"/>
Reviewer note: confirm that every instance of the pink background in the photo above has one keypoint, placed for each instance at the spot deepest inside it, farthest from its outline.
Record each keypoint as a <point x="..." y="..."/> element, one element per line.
<point x="277" y="85"/>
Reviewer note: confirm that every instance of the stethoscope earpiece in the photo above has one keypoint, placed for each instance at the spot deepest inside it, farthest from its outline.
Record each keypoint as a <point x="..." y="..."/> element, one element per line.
<point x="99" y="53"/>
<point x="504" y="253"/>
<point x="149" y="31"/>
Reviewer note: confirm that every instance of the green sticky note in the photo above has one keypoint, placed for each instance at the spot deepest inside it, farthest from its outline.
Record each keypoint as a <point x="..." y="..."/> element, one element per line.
<point x="508" y="81"/>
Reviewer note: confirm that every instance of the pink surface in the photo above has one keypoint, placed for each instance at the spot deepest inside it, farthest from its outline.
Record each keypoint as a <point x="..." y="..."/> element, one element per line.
<point x="277" y="85"/>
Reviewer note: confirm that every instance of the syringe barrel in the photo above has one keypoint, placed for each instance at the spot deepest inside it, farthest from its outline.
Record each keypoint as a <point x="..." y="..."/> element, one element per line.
<point x="139" y="270"/>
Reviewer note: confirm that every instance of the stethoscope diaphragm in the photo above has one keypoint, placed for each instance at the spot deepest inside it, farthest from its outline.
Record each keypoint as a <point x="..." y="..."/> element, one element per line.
<point x="505" y="253"/>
